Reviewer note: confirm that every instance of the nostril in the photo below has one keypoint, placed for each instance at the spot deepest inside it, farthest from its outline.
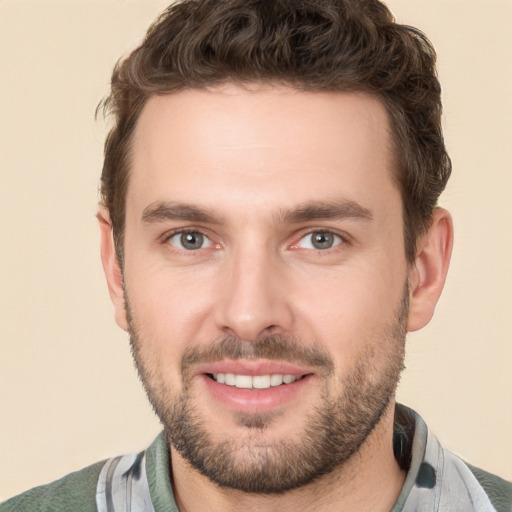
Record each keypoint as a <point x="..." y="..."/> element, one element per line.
<point x="271" y="329"/>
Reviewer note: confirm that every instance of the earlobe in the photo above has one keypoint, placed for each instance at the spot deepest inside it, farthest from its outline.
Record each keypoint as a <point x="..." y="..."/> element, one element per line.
<point x="112" y="269"/>
<point x="428" y="273"/>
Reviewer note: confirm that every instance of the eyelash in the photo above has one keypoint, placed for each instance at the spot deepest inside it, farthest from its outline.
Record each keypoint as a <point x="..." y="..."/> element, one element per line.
<point x="169" y="236"/>
<point x="344" y="239"/>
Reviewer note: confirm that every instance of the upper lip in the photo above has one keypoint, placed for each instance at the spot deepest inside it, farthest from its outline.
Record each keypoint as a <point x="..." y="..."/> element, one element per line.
<point x="253" y="368"/>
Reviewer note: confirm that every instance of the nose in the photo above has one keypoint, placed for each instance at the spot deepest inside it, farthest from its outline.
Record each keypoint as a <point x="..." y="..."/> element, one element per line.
<point x="253" y="299"/>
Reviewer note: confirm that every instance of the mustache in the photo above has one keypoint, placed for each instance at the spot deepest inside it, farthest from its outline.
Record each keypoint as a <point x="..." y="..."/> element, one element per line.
<point x="274" y="347"/>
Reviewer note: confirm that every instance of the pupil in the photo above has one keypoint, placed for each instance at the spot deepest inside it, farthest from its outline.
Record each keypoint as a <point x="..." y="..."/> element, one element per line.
<point x="323" y="240"/>
<point x="192" y="240"/>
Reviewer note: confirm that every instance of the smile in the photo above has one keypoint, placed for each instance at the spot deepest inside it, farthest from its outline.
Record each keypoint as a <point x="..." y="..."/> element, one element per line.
<point x="254" y="388"/>
<point x="254" y="381"/>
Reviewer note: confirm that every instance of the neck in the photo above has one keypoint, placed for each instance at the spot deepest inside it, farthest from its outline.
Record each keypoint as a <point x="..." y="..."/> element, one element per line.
<point x="370" y="481"/>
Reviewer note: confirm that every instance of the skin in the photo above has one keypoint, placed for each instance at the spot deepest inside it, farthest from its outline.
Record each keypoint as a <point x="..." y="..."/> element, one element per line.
<point x="249" y="157"/>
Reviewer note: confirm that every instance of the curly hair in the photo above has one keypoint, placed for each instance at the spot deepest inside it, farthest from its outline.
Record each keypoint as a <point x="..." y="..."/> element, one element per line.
<point x="311" y="45"/>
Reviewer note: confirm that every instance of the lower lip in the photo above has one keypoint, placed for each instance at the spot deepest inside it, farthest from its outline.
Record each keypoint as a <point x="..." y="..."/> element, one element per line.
<point x="255" y="400"/>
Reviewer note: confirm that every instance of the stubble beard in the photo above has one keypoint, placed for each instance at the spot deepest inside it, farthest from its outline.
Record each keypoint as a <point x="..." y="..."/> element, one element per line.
<point x="334" y="430"/>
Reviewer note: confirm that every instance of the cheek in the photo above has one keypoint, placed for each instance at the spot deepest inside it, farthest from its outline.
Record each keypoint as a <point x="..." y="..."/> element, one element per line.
<point x="350" y="310"/>
<point x="168" y="308"/>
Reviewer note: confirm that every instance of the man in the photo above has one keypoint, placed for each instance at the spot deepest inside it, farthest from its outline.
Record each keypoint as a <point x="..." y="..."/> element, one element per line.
<point x="270" y="232"/>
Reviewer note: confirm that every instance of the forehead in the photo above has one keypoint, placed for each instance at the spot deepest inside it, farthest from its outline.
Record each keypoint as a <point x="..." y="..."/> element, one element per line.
<point x="264" y="146"/>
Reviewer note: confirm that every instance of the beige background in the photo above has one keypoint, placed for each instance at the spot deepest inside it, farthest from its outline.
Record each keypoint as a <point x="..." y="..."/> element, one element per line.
<point x="68" y="393"/>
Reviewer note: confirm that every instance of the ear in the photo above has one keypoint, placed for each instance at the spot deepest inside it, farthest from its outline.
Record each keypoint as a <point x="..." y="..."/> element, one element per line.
<point x="428" y="272"/>
<point x="112" y="269"/>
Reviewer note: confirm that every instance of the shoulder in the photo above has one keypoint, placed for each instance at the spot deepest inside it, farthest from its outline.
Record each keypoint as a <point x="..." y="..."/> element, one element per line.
<point x="438" y="479"/>
<point x="76" y="491"/>
<point x="497" y="489"/>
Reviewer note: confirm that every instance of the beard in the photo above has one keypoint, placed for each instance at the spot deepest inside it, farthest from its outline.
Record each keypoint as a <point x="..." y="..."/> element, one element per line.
<point x="334" y="429"/>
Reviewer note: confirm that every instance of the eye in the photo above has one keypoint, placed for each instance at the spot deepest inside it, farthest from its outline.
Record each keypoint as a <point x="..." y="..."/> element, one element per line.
<point x="319" y="240"/>
<point x="190" y="240"/>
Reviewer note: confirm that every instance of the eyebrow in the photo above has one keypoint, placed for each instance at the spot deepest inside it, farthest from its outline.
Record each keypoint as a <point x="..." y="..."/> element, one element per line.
<point x="161" y="211"/>
<point x="326" y="210"/>
<point x="314" y="210"/>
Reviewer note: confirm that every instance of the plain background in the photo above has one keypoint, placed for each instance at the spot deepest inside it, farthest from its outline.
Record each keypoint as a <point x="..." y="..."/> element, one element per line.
<point x="69" y="395"/>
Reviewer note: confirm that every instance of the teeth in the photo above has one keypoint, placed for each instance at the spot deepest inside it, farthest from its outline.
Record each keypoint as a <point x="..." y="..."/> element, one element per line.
<point x="276" y="380"/>
<point x="253" y="382"/>
<point x="243" y="381"/>
<point x="261" y="381"/>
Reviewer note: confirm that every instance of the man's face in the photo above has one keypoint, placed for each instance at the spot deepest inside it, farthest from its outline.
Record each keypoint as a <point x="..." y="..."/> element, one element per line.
<point x="265" y="278"/>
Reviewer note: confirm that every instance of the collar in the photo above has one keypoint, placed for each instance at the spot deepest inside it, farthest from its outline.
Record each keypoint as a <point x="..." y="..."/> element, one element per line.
<point x="436" y="480"/>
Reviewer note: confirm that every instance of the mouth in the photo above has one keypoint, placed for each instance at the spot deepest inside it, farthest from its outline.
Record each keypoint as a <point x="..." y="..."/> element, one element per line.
<point x="255" y="386"/>
<point x="255" y="381"/>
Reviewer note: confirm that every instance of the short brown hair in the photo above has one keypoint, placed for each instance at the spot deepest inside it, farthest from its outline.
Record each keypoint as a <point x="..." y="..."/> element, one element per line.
<point x="313" y="45"/>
